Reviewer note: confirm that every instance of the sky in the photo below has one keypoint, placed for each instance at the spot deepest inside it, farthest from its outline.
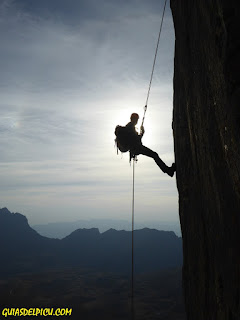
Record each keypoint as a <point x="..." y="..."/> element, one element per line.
<point x="71" y="70"/>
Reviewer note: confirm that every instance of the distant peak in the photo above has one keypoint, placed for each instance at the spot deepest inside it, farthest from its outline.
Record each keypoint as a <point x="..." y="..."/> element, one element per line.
<point x="5" y="211"/>
<point x="114" y="231"/>
<point x="5" y="214"/>
<point x="83" y="232"/>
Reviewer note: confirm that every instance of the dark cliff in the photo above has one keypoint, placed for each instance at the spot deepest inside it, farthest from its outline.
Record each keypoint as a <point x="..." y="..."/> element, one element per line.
<point x="206" y="126"/>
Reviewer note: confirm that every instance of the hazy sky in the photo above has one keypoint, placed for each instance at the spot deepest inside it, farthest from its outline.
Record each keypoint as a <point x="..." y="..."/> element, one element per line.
<point x="71" y="70"/>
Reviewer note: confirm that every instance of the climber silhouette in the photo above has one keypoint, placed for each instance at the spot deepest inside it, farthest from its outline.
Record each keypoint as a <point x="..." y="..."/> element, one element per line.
<point x="136" y="147"/>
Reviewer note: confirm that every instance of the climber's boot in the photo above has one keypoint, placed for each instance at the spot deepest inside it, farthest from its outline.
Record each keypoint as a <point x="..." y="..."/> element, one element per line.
<point x="170" y="170"/>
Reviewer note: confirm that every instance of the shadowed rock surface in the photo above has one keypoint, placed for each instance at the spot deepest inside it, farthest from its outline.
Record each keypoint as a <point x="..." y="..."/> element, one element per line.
<point x="206" y="125"/>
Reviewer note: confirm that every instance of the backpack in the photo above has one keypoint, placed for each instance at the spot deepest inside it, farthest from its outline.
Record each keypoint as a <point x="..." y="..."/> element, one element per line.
<point x="122" y="139"/>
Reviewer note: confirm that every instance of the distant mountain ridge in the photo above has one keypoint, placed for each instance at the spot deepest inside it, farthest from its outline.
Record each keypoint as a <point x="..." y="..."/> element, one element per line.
<point x="60" y="230"/>
<point x="25" y="250"/>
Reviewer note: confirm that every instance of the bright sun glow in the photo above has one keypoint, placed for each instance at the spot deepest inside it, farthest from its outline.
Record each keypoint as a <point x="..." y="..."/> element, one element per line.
<point x="122" y="117"/>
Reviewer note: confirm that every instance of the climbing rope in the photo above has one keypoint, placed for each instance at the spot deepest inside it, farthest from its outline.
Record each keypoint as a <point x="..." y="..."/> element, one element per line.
<point x="133" y="198"/>
<point x="134" y="160"/>
<point x="154" y="61"/>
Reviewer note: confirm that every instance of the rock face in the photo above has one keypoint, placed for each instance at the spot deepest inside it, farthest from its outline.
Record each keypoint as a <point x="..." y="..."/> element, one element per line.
<point x="206" y="126"/>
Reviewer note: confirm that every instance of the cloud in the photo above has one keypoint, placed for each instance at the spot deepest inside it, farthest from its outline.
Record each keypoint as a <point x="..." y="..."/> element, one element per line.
<point x="68" y="74"/>
<point x="44" y="54"/>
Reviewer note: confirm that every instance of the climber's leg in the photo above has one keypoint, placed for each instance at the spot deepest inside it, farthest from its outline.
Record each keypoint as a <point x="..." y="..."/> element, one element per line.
<point x="149" y="153"/>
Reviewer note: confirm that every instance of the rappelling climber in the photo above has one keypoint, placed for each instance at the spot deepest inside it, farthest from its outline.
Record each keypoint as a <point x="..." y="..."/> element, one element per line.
<point x="133" y="143"/>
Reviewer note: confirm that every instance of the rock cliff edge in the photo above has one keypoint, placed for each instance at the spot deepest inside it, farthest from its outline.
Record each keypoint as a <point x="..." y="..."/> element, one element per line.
<point x="206" y="127"/>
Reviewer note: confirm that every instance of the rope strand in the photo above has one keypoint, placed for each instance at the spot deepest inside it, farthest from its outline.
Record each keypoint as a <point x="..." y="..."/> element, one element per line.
<point x="133" y="198"/>
<point x="133" y="181"/>
<point x="154" y="61"/>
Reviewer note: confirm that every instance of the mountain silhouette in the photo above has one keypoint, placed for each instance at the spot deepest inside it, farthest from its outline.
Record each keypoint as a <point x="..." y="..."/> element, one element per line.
<point x="60" y="230"/>
<point x="25" y="250"/>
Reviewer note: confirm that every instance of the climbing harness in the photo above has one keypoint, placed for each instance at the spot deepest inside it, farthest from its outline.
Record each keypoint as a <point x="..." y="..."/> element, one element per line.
<point x="135" y="160"/>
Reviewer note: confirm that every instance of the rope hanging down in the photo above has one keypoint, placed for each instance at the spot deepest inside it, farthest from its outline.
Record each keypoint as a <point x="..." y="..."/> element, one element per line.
<point x="133" y="190"/>
<point x="154" y="61"/>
